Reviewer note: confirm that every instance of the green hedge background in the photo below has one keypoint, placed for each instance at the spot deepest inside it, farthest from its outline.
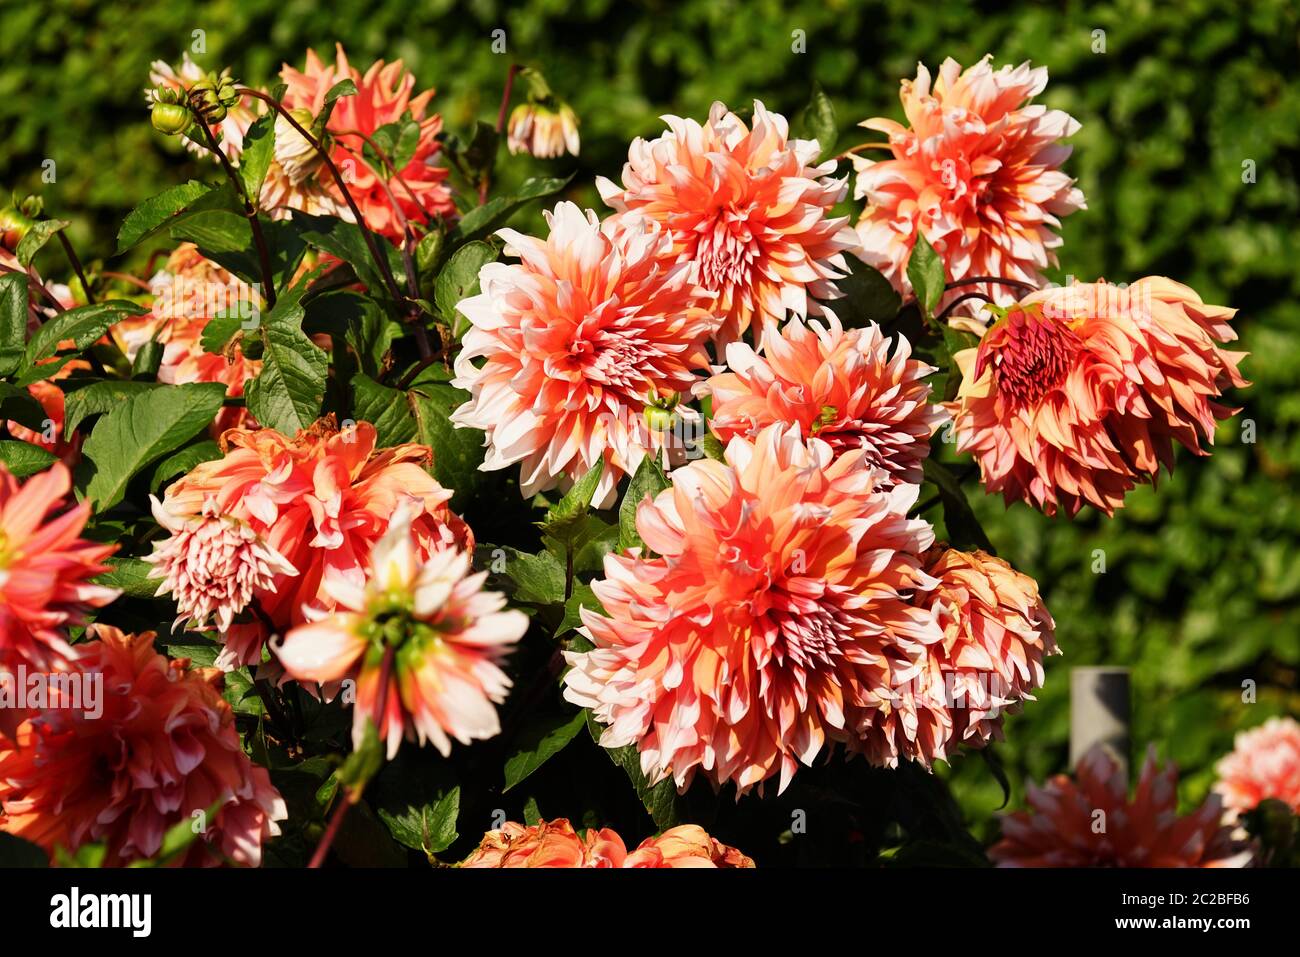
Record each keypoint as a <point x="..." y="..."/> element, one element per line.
<point x="1201" y="580"/>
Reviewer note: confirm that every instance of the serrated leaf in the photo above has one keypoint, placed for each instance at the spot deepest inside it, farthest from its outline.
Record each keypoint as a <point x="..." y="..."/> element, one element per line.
<point x="925" y="272"/>
<point x="341" y="88"/>
<point x="37" y="237"/>
<point x="131" y="575"/>
<point x="458" y="280"/>
<point x="576" y="503"/>
<point x="542" y="742"/>
<point x="218" y="331"/>
<point x="286" y="395"/>
<point x="158" y="212"/>
<point x="142" y="430"/>
<point x="418" y="799"/>
<point x="481" y="221"/>
<point x="23" y="459"/>
<point x="258" y="151"/>
<point x="98" y="398"/>
<point x="346" y="241"/>
<point x="13" y="321"/>
<point x="649" y="480"/>
<point x="538" y="579"/>
<point x="82" y="325"/>
<point x="457" y="453"/>
<point x="660" y="800"/>
<point x="583" y="597"/>
<point x="183" y="461"/>
<point x="867" y="296"/>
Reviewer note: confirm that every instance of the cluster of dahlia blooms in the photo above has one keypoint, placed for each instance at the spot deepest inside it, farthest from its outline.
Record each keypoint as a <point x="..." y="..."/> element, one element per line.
<point x="1265" y="763"/>
<point x="557" y="844"/>
<point x="1092" y="822"/>
<point x="163" y="750"/>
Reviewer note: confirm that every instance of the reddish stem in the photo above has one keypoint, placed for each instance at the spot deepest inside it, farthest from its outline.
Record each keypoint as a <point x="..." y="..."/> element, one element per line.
<point x="501" y="125"/>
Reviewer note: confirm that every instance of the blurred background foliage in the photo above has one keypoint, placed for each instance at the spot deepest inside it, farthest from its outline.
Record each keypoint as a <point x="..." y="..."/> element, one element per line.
<point x="1201" y="578"/>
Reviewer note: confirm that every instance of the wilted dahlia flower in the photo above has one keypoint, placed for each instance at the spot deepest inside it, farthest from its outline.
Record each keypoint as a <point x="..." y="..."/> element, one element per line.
<point x="556" y="844"/>
<point x="1264" y="763"/>
<point x="748" y="207"/>
<point x="777" y="614"/>
<point x="841" y="386"/>
<point x="542" y="130"/>
<point x="996" y="632"/>
<point x="578" y="337"/>
<point x="280" y="521"/>
<point x="45" y="567"/>
<point x="163" y="748"/>
<point x="383" y="97"/>
<point x="1091" y="822"/>
<point x="976" y="170"/>
<point x="445" y="635"/>
<point x="1078" y="394"/>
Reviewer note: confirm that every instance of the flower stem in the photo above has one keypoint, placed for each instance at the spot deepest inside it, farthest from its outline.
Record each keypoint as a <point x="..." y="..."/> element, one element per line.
<point x="501" y="125"/>
<point x="76" y="266"/>
<point x="994" y="280"/>
<point x="960" y="299"/>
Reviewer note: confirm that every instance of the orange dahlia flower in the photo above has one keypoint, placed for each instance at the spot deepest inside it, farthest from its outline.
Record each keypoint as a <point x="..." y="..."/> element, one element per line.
<point x="1092" y="822"/>
<point x="162" y="747"/>
<point x="445" y="634"/>
<point x="578" y="338"/>
<point x="383" y="96"/>
<point x="556" y="844"/>
<point x="45" y="567"/>
<point x="1078" y="394"/>
<point x="748" y="207"/>
<point x="840" y="386"/>
<point x="276" y="523"/>
<point x="1264" y="763"/>
<point x="776" y="616"/>
<point x="976" y="170"/>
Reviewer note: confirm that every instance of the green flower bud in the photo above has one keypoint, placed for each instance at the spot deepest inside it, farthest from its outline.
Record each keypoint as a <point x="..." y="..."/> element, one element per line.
<point x="170" y="118"/>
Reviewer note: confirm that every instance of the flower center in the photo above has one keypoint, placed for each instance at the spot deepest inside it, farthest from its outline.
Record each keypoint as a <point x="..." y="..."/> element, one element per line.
<point x="1029" y="354"/>
<point x="724" y="250"/>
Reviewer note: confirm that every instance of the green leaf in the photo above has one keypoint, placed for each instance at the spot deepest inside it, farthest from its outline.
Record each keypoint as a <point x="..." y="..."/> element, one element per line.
<point x="98" y="398"/>
<point x="148" y="359"/>
<point x="340" y="89"/>
<point x="481" y="221"/>
<point x="458" y="280"/>
<point x="925" y="272"/>
<point x="259" y="150"/>
<point x="649" y="480"/>
<point x="819" y="120"/>
<point x="23" y="459"/>
<point x="36" y="237"/>
<point x="19" y="405"/>
<point x="182" y="461"/>
<point x="346" y="241"/>
<point x="538" y="579"/>
<point x="13" y="321"/>
<point x="867" y="296"/>
<point x="563" y="517"/>
<point x="82" y="325"/>
<point x="660" y="800"/>
<point x="582" y="597"/>
<point x="87" y="856"/>
<point x="964" y="529"/>
<point x="713" y="448"/>
<point x="131" y="575"/>
<point x="542" y="742"/>
<point x="418" y="799"/>
<point x="165" y="209"/>
<point x="15" y="852"/>
<point x="287" y="395"/>
<point x="363" y="763"/>
<point x="218" y="331"/>
<point x="182" y="834"/>
<point x="140" y="431"/>
<point x="457" y="453"/>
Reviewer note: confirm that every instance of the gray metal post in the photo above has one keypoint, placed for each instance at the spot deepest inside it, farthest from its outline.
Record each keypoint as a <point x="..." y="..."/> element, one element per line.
<point x="1099" y="712"/>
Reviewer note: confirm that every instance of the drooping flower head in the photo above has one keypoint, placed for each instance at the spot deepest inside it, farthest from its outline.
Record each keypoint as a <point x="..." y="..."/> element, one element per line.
<point x="283" y="520"/>
<point x="384" y="95"/>
<point x="748" y="206"/>
<point x="158" y="746"/>
<point x="1265" y="763"/>
<point x="577" y="338"/>
<point x="45" y="567"/>
<point x="976" y="170"/>
<point x="841" y="386"/>
<point x="557" y="844"/>
<point x="775" y="617"/>
<point x="1067" y="830"/>
<point x="543" y="131"/>
<point x="445" y="634"/>
<point x="1079" y="393"/>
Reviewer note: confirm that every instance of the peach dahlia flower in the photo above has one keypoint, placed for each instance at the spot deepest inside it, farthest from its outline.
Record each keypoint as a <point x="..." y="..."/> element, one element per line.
<point x="841" y="386"/>
<point x="449" y="635"/>
<point x="1264" y="763"/>
<point x="45" y="567"/>
<point x="976" y="170"/>
<point x="776" y="617"/>
<point x="164" y="747"/>
<point x="1066" y="829"/>
<point x="557" y="844"/>
<point x="576" y="339"/>
<point x="281" y="521"/>
<point x="1079" y="393"/>
<point x="748" y="207"/>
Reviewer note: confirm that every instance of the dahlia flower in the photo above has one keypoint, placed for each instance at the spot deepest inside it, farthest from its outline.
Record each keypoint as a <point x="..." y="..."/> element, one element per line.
<point x="840" y="386"/>
<point x="543" y="131"/>
<point x="383" y="96"/>
<point x="1077" y="395"/>
<point x="45" y="567"/>
<point x="996" y="632"/>
<point x="777" y="615"/>
<point x="578" y="338"/>
<point x="747" y="207"/>
<point x="556" y="844"/>
<point x="281" y="522"/>
<point x="976" y="170"/>
<point x="1264" y="763"/>
<point x="445" y="634"/>
<point x="1091" y="822"/>
<point x="163" y="748"/>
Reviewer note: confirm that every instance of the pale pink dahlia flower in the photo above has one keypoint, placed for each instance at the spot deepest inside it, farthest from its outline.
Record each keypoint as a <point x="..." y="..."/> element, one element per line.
<point x="1066" y="829"/>
<point x="748" y="207"/>
<point x="576" y="340"/>
<point x="1079" y="393"/>
<point x="446" y="637"/>
<point x="557" y="844"/>
<point x="1265" y="763"/>
<point x="842" y="387"/>
<point x="164" y="747"/>
<point x="776" y="616"/>
<point x="976" y="170"/>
